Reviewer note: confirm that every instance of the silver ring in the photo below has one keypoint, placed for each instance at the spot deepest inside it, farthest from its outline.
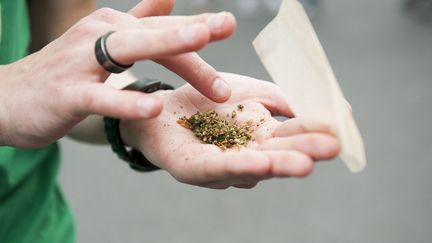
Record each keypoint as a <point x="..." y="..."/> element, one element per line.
<point x="104" y="58"/>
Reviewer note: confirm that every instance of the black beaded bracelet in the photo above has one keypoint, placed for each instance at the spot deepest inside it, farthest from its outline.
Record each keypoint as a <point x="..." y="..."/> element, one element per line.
<point x="136" y="159"/>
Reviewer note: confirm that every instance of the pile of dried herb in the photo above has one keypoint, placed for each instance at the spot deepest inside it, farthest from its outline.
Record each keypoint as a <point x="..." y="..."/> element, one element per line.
<point x="212" y="129"/>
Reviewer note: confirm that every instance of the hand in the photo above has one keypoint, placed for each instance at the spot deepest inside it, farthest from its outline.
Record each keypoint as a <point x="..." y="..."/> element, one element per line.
<point x="47" y="93"/>
<point x="279" y="149"/>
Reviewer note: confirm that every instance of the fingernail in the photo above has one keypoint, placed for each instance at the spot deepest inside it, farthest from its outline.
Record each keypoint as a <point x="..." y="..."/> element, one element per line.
<point x="216" y="21"/>
<point x="146" y="106"/>
<point x="189" y="33"/>
<point x="220" y="89"/>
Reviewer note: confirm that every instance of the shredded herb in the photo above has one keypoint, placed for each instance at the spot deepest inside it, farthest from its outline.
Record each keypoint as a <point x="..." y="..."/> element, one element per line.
<point x="240" y="107"/>
<point x="212" y="129"/>
<point x="233" y="114"/>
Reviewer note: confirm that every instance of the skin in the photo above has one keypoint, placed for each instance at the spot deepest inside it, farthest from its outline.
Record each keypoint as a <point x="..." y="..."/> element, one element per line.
<point x="45" y="101"/>
<point x="280" y="149"/>
<point x="37" y="84"/>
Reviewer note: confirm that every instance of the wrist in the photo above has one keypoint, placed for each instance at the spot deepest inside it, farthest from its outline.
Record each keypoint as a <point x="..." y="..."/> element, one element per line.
<point x="127" y="134"/>
<point x="128" y="128"/>
<point x="121" y="134"/>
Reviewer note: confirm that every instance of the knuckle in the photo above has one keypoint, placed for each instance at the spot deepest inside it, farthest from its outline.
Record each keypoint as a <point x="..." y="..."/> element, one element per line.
<point x="172" y="40"/>
<point x="203" y="17"/>
<point x="327" y="146"/>
<point x="86" y="102"/>
<point x="205" y="73"/>
<point x="300" y="127"/>
<point x="59" y="93"/>
<point x="110" y="16"/>
<point x="104" y="12"/>
<point x="321" y="127"/>
<point x="314" y="140"/>
<point x="87" y="27"/>
<point x="165" y="39"/>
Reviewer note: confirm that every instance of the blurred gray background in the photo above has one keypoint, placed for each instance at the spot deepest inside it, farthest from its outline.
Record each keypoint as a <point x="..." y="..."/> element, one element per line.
<point x="382" y="56"/>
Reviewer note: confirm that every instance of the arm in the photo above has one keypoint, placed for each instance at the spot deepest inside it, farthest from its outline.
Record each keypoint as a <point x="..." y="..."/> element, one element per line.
<point x="50" y="19"/>
<point x="43" y="100"/>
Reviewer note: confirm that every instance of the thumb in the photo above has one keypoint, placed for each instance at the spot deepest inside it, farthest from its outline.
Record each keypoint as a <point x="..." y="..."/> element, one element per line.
<point x="152" y="8"/>
<point x="103" y="100"/>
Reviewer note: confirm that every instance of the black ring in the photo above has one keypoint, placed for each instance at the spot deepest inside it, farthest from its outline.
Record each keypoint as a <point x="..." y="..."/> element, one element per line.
<point x="104" y="58"/>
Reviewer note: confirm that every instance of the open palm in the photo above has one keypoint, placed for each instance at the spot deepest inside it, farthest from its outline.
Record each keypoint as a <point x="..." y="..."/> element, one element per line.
<point x="278" y="149"/>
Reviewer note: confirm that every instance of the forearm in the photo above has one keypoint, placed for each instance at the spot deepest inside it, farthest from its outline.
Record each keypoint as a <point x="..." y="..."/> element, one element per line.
<point x="45" y="100"/>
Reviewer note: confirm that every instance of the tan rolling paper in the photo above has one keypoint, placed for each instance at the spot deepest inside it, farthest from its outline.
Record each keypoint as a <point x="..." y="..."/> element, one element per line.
<point x="292" y="54"/>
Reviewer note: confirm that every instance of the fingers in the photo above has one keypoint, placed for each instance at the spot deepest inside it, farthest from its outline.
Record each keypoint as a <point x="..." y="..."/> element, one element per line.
<point x="133" y="45"/>
<point x="106" y="101"/>
<point x="316" y="145"/>
<point x="267" y="93"/>
<point x="296" y="126"/>
<point x="190" y="66"/>
<point x="221" y="24"/>
<point x="164" y="39"/>
<point x="282" y="164"/>
<point x="290" y="163"/>
<point x="227" y="166"/>
<point x="242" y="168"/>
<point x="152" y="8"/>
<point x="199" y="74"/>
<point x="315" y="139"/>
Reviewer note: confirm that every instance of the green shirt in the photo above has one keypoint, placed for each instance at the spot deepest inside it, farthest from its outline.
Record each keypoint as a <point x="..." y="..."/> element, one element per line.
<point x="32" y="207"/>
